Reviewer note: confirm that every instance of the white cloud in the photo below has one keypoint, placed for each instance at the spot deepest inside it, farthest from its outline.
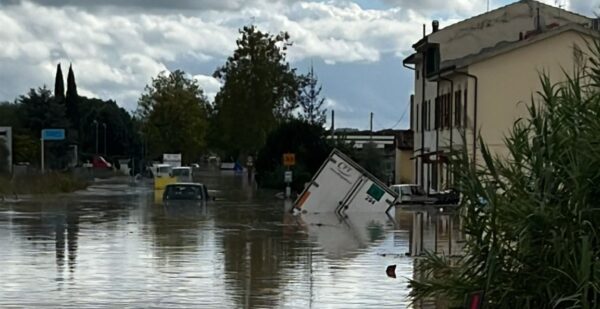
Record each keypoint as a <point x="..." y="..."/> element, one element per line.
<point x="209" y="85"/>
<point x="116" y="46"/>
<point x="115" y="54"/>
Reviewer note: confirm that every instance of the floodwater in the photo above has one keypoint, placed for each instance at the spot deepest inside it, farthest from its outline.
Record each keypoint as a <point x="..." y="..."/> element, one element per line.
<point x="113" y="246"/>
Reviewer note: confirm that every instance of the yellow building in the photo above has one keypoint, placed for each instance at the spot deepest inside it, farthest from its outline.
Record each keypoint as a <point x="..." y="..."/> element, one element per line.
<point x="475" y="78"/>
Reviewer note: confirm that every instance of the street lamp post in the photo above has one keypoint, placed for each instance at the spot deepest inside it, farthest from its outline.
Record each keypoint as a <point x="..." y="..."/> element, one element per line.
<point x="105" y="151"/>
<point x="96" y="124"/>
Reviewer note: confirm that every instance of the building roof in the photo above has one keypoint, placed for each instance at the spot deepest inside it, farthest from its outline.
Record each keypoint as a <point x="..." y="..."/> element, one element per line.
<point x="538" y="3"/>
<point x="504" y="47"/>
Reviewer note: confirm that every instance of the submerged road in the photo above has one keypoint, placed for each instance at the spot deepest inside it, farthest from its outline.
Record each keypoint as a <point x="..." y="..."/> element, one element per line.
<point x="115" y="246"/>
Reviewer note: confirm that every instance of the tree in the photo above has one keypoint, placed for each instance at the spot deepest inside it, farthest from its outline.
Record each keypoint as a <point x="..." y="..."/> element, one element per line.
<point x="310" y="101"/>
<point x="371" y="159"/>
<point x="72" y="100"/>
<point x="296" y="136"/>
<point x="260" y="89"/>
<point x="173" y="110"/>
<point x="122" y="138"/>
<point x="59" y="84"/>
<point x="40" y="110"/>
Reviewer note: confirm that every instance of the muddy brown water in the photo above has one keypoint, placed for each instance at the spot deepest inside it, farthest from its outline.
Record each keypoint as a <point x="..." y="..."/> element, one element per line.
<point x="114" y="246"/>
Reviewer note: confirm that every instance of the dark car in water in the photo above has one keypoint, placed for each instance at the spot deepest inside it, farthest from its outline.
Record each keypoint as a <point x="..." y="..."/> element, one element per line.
<point x="185" y="192"/>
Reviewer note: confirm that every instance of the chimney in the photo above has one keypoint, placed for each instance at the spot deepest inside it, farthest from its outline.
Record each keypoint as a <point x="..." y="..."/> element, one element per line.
<point x="435" y="25"/>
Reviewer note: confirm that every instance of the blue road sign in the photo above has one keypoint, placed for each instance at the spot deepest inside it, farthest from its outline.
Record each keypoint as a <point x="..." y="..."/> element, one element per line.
<point x="53" y="134"/>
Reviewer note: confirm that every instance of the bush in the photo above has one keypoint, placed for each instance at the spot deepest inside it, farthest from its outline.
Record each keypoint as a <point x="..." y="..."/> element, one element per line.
<point x="50" y="183"/>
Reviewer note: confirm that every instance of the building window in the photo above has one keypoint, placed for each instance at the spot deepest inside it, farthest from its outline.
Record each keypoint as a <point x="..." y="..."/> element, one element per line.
<point x="448" y="109"/>
<point x="412" y="112"/>
<point x="465" y="107"/>
<point x="457" y="108"/>
<point x="417" y="118"/>
<point x="427" y="116"/>
<point x="432" y="64"/>
<point x="437" y="113"/>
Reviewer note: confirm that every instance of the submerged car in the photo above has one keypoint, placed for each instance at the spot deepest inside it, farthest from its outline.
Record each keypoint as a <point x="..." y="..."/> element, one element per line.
<point x="412" y="194"/>
<point x="186" y="192"/>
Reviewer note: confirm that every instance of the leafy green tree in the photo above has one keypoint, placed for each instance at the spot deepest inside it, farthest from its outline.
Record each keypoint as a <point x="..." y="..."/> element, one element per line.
<point x="307" y="141"/>
<point x="371" y="159"/>
<point x="260" y="89"/>
<point x="10" y="115"/>
<point x="40" y="110"/>
<point x="122" y="139"/>
<point x="311" y="102"/>
<point x="173" y="111"/>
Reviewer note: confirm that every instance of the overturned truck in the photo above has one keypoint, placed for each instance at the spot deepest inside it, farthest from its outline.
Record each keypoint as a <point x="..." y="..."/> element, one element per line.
<point x="342" y="186"/>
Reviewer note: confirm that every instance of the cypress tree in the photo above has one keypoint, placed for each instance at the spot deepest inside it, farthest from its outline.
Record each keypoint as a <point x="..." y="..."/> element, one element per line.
<point x="72" y="99"/>
<point x="59" y="85"/>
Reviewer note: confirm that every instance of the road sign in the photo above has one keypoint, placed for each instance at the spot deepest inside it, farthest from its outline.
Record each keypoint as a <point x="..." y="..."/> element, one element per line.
<point x="53" y="134"/>
<point x="287" y="177"/>
<point x="289" y="159"/>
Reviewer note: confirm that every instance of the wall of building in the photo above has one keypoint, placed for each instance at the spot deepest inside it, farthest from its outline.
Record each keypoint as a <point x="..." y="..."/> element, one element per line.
<point x="6" y="136"/>
<point x="508" y="81"/>
<point x="404" y="166"/>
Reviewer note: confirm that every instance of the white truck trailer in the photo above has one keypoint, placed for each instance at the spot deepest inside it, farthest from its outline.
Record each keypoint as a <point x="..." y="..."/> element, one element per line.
<point x="343" y="186"/>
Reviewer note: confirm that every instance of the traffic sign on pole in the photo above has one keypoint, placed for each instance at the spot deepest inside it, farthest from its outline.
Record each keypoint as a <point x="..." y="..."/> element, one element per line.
<point x="50" y="135"/>
<point x="53" y="134"/>
<point x="289" y="159"/>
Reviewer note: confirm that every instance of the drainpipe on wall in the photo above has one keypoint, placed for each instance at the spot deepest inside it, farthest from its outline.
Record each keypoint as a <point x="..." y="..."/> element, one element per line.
<point x="475" y="79"/>
<point x="451" y="117"/>
<point x="423" y="77"/>
<point x="412" y="108"/>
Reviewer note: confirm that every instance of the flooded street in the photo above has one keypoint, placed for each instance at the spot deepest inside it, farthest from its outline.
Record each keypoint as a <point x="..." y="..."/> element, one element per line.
<point x="113" y="246"/>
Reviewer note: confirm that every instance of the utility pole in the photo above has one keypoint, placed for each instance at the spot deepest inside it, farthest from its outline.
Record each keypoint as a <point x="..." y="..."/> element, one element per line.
<point x="105" y="151"/>
<point x="96" y="125"/>
<point x="332" y="123"/>
<point x="371" y="125"/>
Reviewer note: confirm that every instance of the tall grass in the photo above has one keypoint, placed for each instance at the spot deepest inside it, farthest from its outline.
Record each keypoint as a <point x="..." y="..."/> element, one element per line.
<point x="532" y="219"/>
<point x="50" y="183"/>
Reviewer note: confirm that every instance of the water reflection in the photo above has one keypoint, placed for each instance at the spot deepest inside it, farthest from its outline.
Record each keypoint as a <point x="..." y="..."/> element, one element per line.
<point x="113" y="246"/>
<point x="344" y="236"/>
<point x="68" y="226"/>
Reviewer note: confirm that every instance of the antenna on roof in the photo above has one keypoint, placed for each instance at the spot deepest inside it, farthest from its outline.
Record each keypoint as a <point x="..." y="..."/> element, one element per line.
<point x="488" y="5"/>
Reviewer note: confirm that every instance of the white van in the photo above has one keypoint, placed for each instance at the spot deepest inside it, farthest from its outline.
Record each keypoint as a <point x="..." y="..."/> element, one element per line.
<point x="183" y="173"/>
<point x="162" y="170"/>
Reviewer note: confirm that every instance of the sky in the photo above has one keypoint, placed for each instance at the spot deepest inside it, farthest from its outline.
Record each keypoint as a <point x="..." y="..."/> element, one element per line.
<point x="117" y="46"/>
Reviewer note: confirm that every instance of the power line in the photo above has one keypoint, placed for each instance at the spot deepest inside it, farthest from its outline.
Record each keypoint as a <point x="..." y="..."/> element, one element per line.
<point x="401" y="118"/>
